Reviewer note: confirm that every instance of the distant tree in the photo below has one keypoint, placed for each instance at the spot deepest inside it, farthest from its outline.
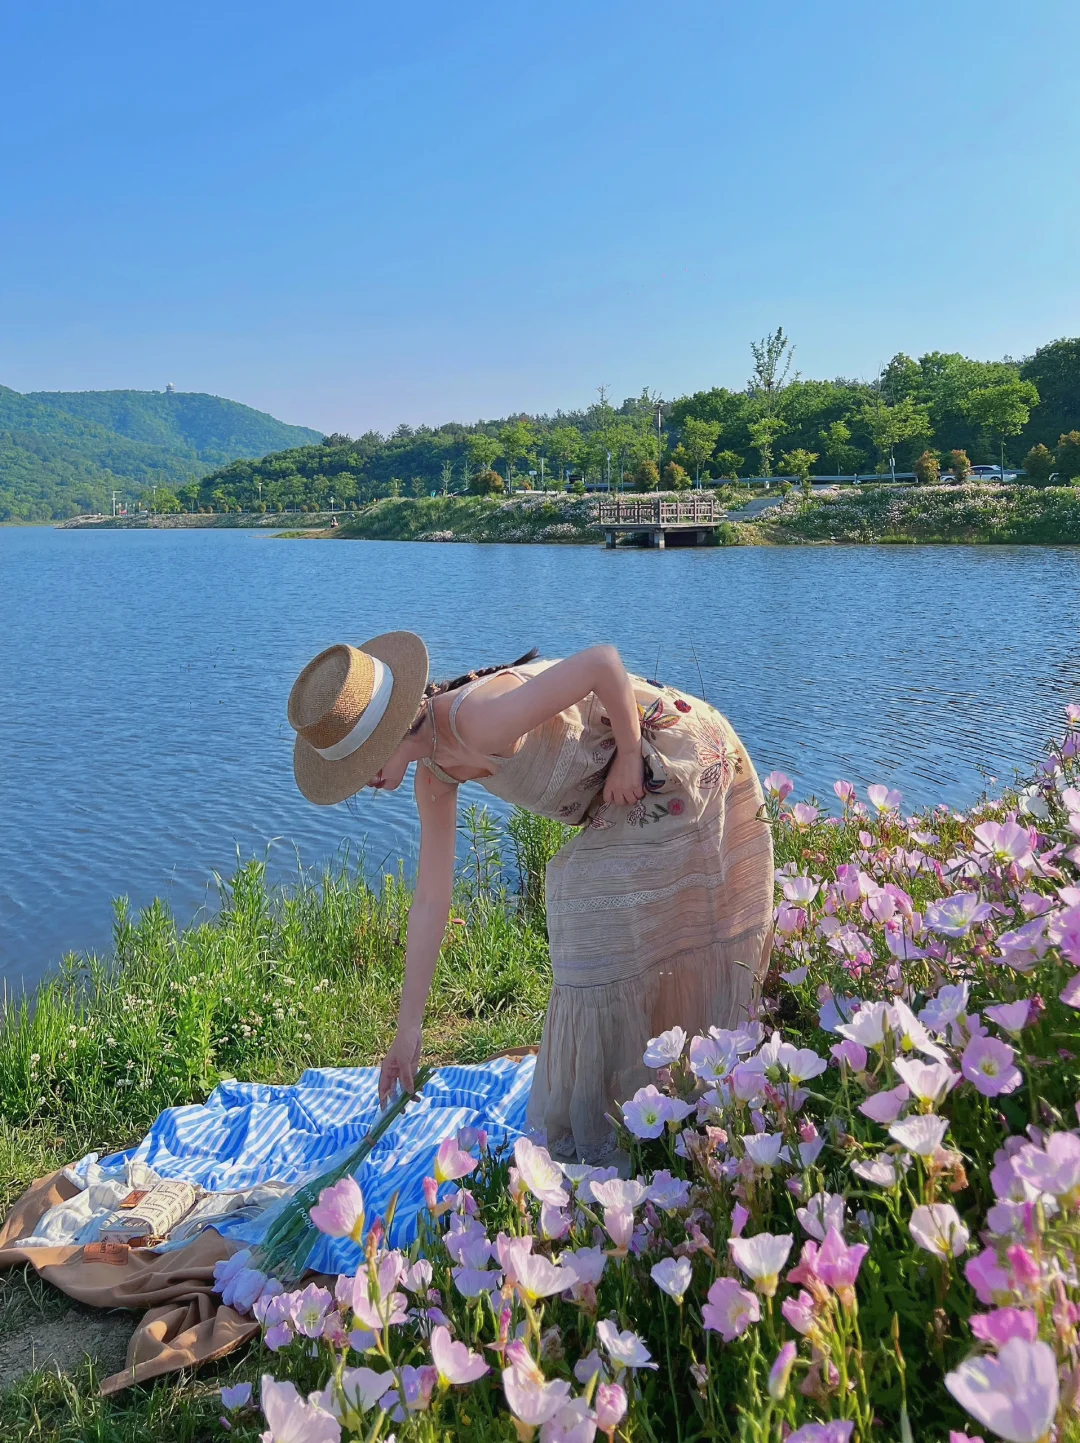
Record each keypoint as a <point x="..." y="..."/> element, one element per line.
<point x="1003" y="410"/>
<point x="447" y="476"/>
<point x="487" y="483"/>
<point x="646" y="476"/>
<point x="773" y="356"/>
<point x="418" y="486"/>
<point x="763" y="435"/>
<point x="1039" y="464"/>
<point x="928" y="469"/>
<point x="959" y="465"/>
<point x="699" y="440"/>
<point x="564" y="447"/>
<point x="483" y="451"/>
<point x="161" y="501"/>
<point x="798" y="463"/>
<point x="1068" y="455"/>
<point x="836" y="445"/>
<point x="1055" y="370"/>
<point x="901" y="377"/>
<point x="393" y="486"/>
<point x="518" y="439"/>
<point x="728" y="463"/>
<point x="889" y="426"/>
<point x="676" y="477"/>
<point x="578" y="486"/>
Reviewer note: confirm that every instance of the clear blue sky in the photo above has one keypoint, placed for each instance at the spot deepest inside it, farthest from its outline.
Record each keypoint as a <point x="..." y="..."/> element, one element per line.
<point x="352" y="214"/>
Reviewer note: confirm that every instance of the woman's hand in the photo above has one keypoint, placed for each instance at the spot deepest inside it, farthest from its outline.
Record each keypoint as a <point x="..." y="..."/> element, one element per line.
<point x="399" y="1064"/>
<point x="625" y="782"/>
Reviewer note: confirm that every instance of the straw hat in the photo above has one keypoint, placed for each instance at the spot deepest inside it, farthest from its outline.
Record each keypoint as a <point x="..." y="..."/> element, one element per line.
<point x="350" y="707"/>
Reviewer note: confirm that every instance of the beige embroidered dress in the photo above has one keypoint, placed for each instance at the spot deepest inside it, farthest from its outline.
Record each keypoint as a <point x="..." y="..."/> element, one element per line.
<point x="658" y="914"/>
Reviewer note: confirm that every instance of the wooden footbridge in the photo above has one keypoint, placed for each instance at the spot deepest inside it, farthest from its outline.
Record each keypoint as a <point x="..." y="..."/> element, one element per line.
<point x="656" y="517"/>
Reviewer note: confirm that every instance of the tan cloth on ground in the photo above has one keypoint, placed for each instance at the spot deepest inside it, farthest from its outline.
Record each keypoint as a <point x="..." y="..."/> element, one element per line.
<point x="186" y="1324"/>
<point x="658" y="914"/>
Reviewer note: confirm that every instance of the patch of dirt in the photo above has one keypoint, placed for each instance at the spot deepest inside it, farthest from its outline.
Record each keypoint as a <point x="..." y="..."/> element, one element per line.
<point x="62" y="1343"/>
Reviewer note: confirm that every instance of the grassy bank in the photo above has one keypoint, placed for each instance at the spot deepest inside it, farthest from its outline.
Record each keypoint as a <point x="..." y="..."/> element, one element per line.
<point x="277" y="981"/>
<point x="476" y="518"/>
<point x="972" y="514"/>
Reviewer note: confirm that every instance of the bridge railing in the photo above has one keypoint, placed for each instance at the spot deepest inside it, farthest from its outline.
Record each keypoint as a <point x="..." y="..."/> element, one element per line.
<point x="657" y="511"/>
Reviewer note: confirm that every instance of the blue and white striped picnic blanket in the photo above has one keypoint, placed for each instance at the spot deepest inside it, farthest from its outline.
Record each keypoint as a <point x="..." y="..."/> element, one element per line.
<point x="248" y="1133"/>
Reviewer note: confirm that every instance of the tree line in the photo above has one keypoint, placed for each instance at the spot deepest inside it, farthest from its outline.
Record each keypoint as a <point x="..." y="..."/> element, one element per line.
<point x="943" y="411"/>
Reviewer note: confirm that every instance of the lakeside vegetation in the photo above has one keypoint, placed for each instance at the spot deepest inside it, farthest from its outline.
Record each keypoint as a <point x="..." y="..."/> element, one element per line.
<point x="779" y="423"/>
<point x="904" y="1133"/>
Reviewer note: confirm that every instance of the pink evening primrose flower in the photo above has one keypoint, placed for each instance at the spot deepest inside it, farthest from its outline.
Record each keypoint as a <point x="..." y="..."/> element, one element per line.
<point x="672" y="1276"/>
<point x="1015" y="1395"/>
<point x="625" y="1349"/>
<point x="339" y="1213"/>
<point x="532" y="1400"/>
<point x="837" y="1431"/>
<point x="238" y="1396"/>
<point x="617" y="1192"/>
<point x="803" y="814"/>
<point x="800" y="1311"/>
<point x="574" y="1422"/>
<point x="928" y="1081"/>
<point x="610" y="1404"/>
<point x="997" y="1327"/>
<point x="711" y="1060"/>
<point x="455" y="1361"/>
<point x="822" y="1212"/>
<point x="666" y="1049"/>
<point x="834" y="1263"/>
<point x="780" y="1372"/>
<point x="1052" y="1168"/>
<point x="845" y="791"/>
<point x="956" y="915"/>
<point x="885" y="1107"/>
<point x="310" y="1310"/>
<point x="761" y="1258"/>
<point x="451" y="1162"/>
<point x="730" y="1309"/>
<point x="989" y="1280"/>
<point x="291" y="1419"/>
<point x="989" y="1064"/>
<point x="648" y="1112"/>
<point x="778" y="785"/>
<point x="884" y="799"/>
<point x="278" y="1335"/>
<point x="537" y="1277"/>
<point x="540" y="1173"/>
<point x="937" y="1228"/>
<point x="362" y="1388"/>
<point x="1006" y="843"/>
<point x="920" y="1135"/>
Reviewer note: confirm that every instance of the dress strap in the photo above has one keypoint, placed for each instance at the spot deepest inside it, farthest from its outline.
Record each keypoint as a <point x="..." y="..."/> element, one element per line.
<point x="430" y="762"/>
<point x="463" y="691"/>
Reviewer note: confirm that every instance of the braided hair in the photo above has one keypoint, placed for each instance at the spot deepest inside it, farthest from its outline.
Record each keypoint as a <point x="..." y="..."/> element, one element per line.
<point x="436" y="688"/>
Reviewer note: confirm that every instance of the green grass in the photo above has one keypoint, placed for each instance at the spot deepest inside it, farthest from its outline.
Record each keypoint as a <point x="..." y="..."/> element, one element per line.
<point x="277" y="981"/>
<point x="476" y="518"/>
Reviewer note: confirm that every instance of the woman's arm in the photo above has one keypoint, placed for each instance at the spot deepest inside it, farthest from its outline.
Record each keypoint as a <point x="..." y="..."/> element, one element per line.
<point x="437" y="804"/>
<point x="491" y="724"/>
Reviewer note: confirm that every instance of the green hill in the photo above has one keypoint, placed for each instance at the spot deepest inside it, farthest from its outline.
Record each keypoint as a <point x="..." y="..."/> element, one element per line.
<point x="65" y="452"/>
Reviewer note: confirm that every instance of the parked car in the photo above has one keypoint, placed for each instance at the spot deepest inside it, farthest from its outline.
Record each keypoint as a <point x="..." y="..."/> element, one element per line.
<point x="984" y="473"/>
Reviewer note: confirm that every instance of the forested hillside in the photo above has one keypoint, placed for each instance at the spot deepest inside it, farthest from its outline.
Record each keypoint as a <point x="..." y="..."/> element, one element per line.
<point x="65" y="452"/>
<point x="779" y="423"/>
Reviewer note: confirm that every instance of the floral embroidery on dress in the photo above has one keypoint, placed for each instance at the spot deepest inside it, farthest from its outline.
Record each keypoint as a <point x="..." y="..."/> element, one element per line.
<point x="597" y="822"/>
<point x="592" y="782"/>
<point x="601" y="752"/>
<point x="641" y="813"/>
<point x="681" y="704"/>
<point x="654" y="719"/>
<point x="713" y="753"/>
<point x="569" y="809"/>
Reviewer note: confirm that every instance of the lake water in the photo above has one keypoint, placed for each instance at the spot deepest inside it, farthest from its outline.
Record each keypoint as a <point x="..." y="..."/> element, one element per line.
<point x="144" y="674"/>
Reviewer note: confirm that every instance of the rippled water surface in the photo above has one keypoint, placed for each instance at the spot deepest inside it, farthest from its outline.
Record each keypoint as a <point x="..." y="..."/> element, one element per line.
<point x="143" y="678"/>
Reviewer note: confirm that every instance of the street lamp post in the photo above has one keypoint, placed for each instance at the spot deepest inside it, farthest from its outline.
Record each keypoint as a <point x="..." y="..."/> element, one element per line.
<point x="659" y="434"/>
